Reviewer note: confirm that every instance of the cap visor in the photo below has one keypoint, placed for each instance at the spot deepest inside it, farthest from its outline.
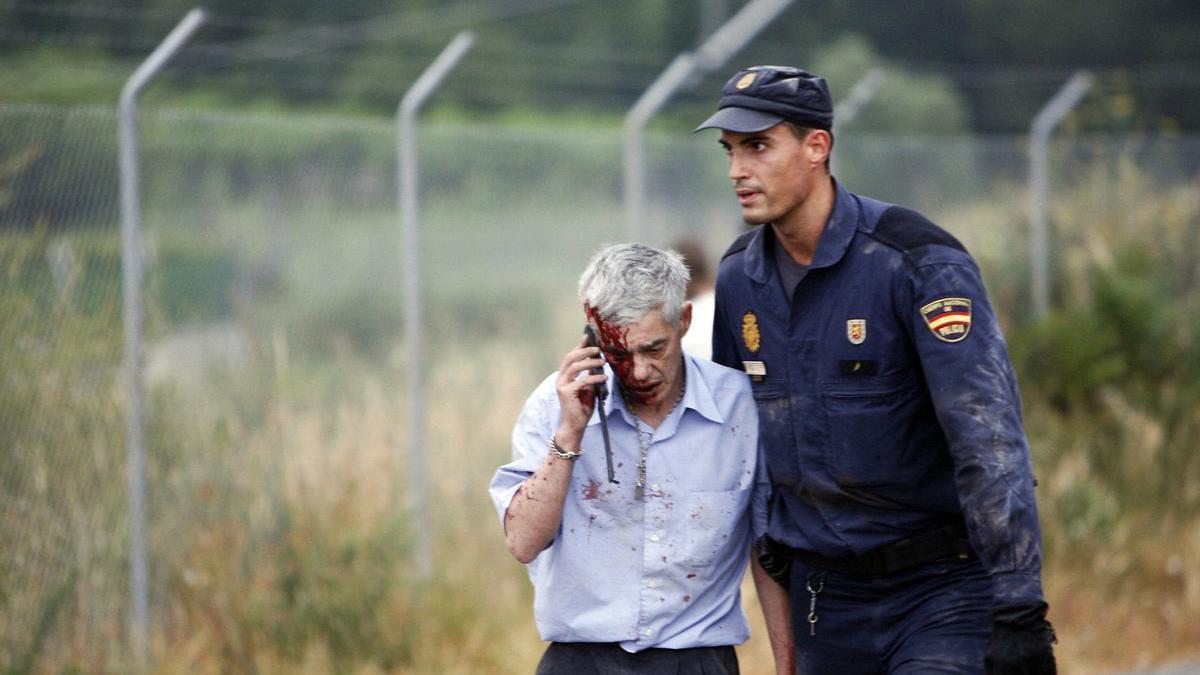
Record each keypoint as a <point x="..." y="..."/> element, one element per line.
<point x="741" y="120"/>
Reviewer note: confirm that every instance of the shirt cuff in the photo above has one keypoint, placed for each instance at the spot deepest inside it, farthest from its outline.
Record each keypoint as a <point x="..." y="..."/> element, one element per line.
<point x="502" y="497"/>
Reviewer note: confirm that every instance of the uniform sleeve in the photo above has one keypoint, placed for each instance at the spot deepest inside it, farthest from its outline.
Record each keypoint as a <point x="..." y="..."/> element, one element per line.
<point x="724" y="352"/>
<point x="530" y="445"/>
<point x="974" y="391"/>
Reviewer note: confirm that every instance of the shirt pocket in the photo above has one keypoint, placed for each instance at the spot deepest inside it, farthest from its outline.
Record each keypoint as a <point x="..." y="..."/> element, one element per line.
<point x="714" y="524"/>
<point x="869" y="422"/>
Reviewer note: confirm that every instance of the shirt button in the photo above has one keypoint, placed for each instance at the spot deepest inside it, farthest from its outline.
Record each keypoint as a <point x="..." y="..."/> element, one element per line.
<point x="647" y="632"/>
<point x="654" y="537"/>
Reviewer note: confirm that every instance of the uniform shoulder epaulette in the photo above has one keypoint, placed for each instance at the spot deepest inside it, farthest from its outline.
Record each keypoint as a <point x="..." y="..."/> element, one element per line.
<point x="739" y="244"/>
<point x="906" y="230"/>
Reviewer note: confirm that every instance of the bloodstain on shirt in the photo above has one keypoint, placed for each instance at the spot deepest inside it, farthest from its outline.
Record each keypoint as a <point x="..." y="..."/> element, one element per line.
<point x="592" y="489"/>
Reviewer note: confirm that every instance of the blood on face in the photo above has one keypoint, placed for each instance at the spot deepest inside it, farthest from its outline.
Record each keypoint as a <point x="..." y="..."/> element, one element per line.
<point x="615" y="345"/>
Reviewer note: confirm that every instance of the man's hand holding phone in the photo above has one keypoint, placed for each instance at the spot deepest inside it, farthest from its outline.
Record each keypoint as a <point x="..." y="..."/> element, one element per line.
<point x="582" y="369"/>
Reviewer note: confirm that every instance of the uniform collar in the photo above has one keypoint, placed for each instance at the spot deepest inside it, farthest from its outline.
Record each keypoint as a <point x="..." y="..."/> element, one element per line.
<point x="839" y="229"/>
<point x="835" y="238"/>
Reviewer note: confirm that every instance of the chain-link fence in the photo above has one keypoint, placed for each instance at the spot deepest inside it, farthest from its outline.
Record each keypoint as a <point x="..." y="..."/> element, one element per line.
<point x="272" y="244"/>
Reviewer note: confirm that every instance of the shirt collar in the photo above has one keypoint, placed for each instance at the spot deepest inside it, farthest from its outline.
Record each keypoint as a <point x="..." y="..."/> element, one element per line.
<point x="835" y="238"/>
<point x="697" y="395"/>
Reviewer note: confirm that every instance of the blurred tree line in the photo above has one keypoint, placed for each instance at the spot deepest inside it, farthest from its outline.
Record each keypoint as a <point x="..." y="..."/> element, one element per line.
<point x="993" y="63"/>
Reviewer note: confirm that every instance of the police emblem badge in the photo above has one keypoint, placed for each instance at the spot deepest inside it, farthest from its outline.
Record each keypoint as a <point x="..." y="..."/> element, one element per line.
<point x="745" y="81"/>
<point x="750" y="334"/>
<point x="856" y="331"/>
<point x="948" y="318"/>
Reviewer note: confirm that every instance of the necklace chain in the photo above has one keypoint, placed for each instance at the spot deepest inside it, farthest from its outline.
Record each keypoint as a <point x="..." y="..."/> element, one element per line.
<point x="644" y="440"/>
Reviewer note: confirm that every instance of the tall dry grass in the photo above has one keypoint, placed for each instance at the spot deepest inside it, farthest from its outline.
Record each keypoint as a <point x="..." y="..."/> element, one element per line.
<point x="317" y="576"/>
<point x="1112" y="401"/>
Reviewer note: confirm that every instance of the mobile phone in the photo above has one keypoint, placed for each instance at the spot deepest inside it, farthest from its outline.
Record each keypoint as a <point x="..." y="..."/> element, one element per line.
<point x="601" y="390"/>
<point x="590" y="333"/>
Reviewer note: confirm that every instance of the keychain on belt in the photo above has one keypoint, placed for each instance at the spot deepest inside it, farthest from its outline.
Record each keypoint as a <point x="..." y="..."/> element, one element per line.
<point x="812" y="604"/>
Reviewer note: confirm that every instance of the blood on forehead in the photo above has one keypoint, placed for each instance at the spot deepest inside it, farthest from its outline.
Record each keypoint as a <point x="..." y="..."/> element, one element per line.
<point x="613" y="339"/>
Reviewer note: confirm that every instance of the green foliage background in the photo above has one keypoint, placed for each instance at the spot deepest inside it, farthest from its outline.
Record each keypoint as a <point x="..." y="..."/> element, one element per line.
<point x="998" y="62"/>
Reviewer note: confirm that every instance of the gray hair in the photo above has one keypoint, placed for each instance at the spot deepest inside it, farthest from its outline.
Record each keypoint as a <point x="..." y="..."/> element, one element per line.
<point x="625" y="282"/>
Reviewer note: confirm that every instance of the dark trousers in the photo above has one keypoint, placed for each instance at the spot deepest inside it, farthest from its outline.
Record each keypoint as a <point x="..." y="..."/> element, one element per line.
<point x="607" y="658"/>
<point x="933" y="618"/>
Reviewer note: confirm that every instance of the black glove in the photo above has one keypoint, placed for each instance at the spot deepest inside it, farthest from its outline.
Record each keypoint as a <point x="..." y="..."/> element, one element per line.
<point x="775" y="559"/>
<point x="1021" y="641"/>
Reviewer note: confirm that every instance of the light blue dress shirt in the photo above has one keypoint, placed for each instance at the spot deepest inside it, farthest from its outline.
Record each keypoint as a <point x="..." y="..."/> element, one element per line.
<point x="664" y="571"/>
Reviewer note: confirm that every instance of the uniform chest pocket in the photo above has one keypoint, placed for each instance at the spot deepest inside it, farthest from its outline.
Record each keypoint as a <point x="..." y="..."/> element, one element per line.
<point x="869" y="421"/>
<point x="775" y="430"/>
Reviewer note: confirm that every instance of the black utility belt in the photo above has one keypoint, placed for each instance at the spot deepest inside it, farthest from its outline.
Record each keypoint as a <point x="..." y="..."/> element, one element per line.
<point x="909" y="552"/>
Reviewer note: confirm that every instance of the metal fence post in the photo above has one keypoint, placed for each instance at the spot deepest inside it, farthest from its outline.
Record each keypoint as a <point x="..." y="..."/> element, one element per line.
<point x="131" y="265"/>
<point x="635" y="120"/>
<point x="406" y="151"/>
<point x="1044" y="124"/>
<point x="715" y="51"/>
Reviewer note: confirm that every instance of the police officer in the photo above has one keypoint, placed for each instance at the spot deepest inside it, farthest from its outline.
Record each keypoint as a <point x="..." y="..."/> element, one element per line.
<point x="902" y="516"/>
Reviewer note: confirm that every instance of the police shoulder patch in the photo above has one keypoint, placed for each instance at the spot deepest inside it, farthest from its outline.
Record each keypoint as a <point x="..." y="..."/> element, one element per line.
<point x="948" y="318"/>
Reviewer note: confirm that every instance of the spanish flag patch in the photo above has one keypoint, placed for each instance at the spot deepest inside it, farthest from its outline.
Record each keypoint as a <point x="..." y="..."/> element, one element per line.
<point x="948" y="318"/>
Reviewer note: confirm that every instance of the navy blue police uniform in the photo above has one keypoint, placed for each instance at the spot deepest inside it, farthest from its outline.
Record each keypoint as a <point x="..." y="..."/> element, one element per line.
<point x="888" y="408"/>
<point x="903" y="492"/>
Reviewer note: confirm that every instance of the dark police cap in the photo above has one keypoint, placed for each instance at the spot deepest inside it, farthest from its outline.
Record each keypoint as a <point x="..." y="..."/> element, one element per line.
<point x="760" y="97"/>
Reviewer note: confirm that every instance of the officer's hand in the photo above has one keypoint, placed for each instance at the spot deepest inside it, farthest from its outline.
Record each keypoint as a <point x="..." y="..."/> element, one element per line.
<point x="775" y="560"/>
<point x="1021" y="642"/>
<point x="575" y="392"/>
